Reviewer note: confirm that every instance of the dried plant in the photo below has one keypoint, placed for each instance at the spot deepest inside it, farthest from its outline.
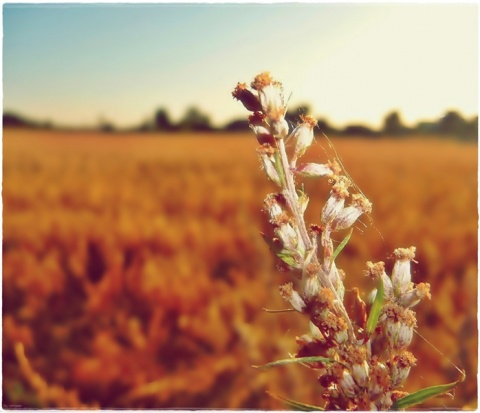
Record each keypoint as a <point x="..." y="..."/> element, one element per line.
<point x="359" y="350"/>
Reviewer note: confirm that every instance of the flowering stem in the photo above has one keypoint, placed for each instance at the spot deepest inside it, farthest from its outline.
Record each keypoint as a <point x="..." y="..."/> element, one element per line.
<point x="356" y="374"/>
<point x="292" y="196"/>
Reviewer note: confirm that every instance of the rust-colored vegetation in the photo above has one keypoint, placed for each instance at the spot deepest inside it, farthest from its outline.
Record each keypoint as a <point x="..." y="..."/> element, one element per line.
<point x="134" y="274"/>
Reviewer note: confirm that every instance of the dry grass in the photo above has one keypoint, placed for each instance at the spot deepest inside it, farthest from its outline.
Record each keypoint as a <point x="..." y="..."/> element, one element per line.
<point x="134" y="275"/>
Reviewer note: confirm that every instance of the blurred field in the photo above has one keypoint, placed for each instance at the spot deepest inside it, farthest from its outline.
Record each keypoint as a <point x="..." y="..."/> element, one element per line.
<point x="134" y="274"/>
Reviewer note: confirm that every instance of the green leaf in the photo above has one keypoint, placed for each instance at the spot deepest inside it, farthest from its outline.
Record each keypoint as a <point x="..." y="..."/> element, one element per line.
<point x="294" y="405"/>
<point x="376" y="309"/>
<point x="302" y="360"/>
<point x="278" y="167"/>
<point x="341" y="245"/>
<point x="288" y="257"/>
<point x="303" y="201"/>
<point x="423" y="395"/>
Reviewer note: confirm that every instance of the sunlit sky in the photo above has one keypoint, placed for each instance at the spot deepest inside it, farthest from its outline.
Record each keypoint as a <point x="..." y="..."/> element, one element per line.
<point x="73" y="64"/>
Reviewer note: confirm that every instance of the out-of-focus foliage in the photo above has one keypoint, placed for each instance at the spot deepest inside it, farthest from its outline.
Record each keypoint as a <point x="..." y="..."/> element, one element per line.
<point x="393" y="125"/>
<point x="451" y="125"/>
<point x="134" y="274"/>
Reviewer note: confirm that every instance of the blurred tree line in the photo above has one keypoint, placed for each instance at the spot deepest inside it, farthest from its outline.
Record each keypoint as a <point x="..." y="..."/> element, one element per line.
<point x="452" y="123"/>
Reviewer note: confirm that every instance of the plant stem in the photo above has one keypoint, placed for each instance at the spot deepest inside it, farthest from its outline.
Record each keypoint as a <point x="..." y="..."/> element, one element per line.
<point x="292" y="199"/>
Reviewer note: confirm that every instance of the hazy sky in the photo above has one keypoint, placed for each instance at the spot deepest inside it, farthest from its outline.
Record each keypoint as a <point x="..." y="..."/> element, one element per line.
<point x="73" y="64"/>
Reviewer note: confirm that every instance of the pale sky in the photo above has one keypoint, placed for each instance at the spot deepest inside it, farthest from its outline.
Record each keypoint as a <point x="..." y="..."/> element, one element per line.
<point x="72" y="64"/>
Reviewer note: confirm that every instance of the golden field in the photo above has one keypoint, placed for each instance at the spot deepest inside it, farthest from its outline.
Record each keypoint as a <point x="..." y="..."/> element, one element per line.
<point x="134" y="275"/>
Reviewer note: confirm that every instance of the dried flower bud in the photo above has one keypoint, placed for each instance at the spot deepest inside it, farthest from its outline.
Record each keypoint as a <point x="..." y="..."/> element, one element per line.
<point x="257" y="119"/>
<point x="399" y="325"/>
<point x="272" y="206"/>
<point x="312" y="286"/>
<point x="269" y="166"/>
<point x="401" y="276"/>
<point x="325" y="299"/>
<point x="335" y="202"/>
<point x="246" y="96"/>
<point x="360" y="373"/>
<point x="379" y="379"/>
<point x="401" y="334"/>
<point x="327" y="242"/>
<point x="314" y="331"/>
<point x="356" y="307"/>
<point x="335" y="167"/>
<point x="303" y="136"/>
<point x="289" y="294"/>
<point x="347" y="385"/>
<point x="268" y="163"/>
<point x="400" y="367"/>
<point x="412" y="297"/>
<point x="347" y="216"/>
<point x="359" y="201"/>
<point x="378" y="270"/>
<point x="359" y="366"/>
<point x="375" y="270"/>
<point x="289" y="237"/>
<point x="387" y="287"/>
<point x="311" y="282"/>
<point x="341" y="334"/>
<point x="313" y="170"/>
<point x="262" y="80"/>
<point x="336" y="278"/>
<point x="260" y="130"/>
<point x="270" y="94"/>
<point x="279" y="128"/>
<point x="384" y="401"/>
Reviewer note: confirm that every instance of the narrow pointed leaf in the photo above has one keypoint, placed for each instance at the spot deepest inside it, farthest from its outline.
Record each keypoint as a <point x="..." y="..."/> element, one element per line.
<point x="278" y="167"/>
<point x="303" y="201"/>
<point x="423" y="395"/>
<point x="294" y="405"/>
<point x="341" y="246"/>
<point x="285" y="310"/>
<point x="376" y="308"/>
<point x="301" y="360"/>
